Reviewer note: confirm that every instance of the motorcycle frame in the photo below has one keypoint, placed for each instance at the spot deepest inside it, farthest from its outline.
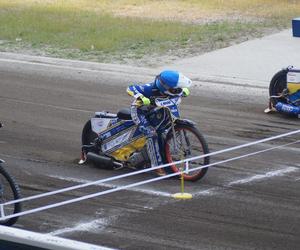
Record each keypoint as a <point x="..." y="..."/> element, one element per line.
<point x="117" y="128"/>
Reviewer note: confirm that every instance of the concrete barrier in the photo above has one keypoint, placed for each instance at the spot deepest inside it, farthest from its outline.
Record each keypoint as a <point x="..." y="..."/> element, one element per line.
<point x="18" y="239"/>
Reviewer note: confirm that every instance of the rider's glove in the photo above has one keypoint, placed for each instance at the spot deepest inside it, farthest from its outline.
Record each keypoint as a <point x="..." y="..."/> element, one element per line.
<point x="146" y="101"/>
<point x="185" y="92"/>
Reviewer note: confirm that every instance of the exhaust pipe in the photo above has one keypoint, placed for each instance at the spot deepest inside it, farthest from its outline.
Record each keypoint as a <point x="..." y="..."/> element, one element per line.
<point x="105" y="161"/>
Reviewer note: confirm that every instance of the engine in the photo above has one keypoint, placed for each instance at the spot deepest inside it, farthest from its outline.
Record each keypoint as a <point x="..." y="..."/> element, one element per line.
<point x="139" y="159"/>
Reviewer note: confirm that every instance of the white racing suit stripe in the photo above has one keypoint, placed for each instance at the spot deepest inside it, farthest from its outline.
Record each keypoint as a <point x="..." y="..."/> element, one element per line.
<point x="134" y="114"/>
<point x="144" y="126"/>
<point x="153" y="151"/>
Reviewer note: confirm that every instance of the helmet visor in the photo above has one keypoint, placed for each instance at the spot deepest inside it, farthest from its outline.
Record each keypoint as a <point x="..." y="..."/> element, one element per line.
<point x="175" y="91"/>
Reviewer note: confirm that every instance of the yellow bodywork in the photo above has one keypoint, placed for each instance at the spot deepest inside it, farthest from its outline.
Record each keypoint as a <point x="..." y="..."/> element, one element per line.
<point x="293" y="87"/>
<point x="122" y="154"/>
<point x="293" y="81"/>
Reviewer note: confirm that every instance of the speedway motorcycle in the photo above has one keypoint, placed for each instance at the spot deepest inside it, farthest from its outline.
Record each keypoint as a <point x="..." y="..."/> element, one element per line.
<point x="114" y="140"/>
<point x="284" y="91"/>
<point x="9" y="190"/>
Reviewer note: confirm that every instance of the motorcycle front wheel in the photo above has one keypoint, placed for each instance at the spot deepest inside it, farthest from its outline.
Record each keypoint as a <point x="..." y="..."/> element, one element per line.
<point x="189" y="143"/>
<point x="9" y="190"/>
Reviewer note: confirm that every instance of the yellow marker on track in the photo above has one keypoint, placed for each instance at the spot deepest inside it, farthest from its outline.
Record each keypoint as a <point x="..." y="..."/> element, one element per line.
<point x="182" y="195"/>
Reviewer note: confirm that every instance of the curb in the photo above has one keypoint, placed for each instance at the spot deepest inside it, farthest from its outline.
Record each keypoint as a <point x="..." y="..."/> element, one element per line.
<point x="125" y="70"/>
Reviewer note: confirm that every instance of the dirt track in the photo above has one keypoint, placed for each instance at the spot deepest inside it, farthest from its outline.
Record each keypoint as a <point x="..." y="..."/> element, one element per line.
<point x="252" y="203"/>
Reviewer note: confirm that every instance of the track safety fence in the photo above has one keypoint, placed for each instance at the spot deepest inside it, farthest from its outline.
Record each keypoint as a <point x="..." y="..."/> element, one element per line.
<point x="34" y="210"/>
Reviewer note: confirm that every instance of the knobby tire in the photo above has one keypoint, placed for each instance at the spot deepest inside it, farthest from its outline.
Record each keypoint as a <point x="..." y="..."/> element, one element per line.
<point x="13" y="186"/>
<point x="195" y="175"/>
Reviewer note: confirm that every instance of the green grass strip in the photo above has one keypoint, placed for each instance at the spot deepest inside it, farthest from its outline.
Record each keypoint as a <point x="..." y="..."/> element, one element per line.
<point x="90" y="32"/>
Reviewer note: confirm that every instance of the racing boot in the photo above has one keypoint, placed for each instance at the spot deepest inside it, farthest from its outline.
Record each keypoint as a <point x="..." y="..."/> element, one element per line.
<point x="83" y="158"/>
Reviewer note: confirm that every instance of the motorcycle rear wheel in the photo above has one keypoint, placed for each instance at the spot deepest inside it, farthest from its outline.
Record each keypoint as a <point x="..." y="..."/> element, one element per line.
<point x="88" y="135"/>
<point x="277" y="85"/>
<point x="9" y="190"/>
<point x="190" y="143"/>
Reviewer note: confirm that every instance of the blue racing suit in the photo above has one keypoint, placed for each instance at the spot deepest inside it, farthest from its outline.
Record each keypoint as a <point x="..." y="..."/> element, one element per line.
<point x="139" y="108"/>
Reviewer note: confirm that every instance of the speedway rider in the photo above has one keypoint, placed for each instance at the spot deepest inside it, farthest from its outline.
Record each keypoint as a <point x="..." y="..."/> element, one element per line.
<point x="167" y="83"/>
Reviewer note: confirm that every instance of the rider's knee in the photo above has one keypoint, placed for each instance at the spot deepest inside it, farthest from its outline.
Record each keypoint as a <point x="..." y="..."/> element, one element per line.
<point x="148" y="131"/>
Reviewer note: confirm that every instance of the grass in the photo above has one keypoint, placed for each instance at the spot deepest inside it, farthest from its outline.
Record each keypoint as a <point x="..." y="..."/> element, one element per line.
<point x="134" y="29"/>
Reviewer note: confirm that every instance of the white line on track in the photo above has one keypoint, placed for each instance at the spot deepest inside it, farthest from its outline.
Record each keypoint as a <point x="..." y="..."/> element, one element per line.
<point x="280" y="172"/>
<point x="94" y="226"/>
<point x="271" y="174"/>
<point x="101" y="224"/>
<point x="141" y="190"/>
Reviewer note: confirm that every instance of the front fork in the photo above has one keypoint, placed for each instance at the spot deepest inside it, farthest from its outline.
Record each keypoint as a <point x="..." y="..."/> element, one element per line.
<point x="183" y="138"/>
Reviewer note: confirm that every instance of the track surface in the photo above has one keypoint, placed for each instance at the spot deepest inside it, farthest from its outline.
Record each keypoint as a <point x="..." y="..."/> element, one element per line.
<point x="253" y="203"/>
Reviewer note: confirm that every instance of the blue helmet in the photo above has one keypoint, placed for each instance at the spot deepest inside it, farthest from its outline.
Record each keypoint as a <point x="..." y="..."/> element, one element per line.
<point x="171" y="82"/>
